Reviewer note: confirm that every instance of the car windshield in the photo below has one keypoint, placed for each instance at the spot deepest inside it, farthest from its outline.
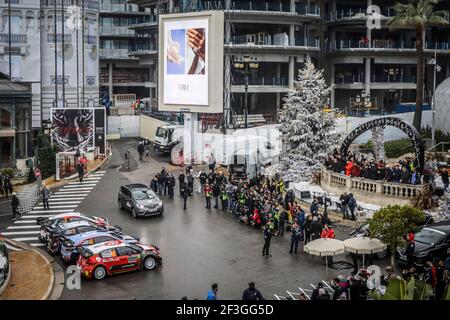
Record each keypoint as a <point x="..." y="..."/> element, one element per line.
<point x="161" y="132"/>
<point x="428" y="236"/>
<point x="143" y="194"/>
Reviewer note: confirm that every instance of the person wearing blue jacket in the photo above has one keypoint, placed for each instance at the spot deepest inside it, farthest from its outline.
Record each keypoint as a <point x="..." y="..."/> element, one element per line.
<point x="212" y="294"/>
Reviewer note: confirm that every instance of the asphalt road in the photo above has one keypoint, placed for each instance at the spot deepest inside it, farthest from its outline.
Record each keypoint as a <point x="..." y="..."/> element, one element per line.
<point x="199" y="246"/>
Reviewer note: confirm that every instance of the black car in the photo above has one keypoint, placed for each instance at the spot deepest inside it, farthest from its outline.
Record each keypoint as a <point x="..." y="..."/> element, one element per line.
<point x="433" y="241"/>
<point x="363" y="231"/>
<point x="4" y="263"/>
<point x="140" y="200"/>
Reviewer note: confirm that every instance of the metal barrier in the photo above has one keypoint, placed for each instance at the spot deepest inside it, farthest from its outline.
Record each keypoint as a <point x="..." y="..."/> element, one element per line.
<point x="28" y="197"/>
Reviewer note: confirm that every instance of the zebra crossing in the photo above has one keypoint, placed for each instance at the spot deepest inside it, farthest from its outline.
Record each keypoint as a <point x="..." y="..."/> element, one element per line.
<point x="65" y="200"/>
<point x="306" y="291"/>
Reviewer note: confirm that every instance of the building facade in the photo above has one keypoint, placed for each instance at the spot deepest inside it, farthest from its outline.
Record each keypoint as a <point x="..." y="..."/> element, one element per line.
<point x="55" y="53"/>
<point x="358" y="62"/>
<point x="119" y="72"/>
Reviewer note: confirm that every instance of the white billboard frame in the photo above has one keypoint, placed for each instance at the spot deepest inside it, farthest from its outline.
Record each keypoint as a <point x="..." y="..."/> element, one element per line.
<point x="184" y="91"/>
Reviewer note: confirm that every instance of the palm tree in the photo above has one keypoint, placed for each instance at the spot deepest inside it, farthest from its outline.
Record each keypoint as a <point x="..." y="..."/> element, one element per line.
<point x="419" y="14"/>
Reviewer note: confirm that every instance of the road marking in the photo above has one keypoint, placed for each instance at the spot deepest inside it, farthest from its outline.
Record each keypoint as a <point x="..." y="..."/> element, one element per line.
<point x="19" y="233"/>
<point x="100" y="171"/>
<point x="82" y="183"/>
<point x="62" y="201"/>
<point x="25" y="239"/>
<point x="50" y="211"/>
<point x="79" y="186"/>
<point x="25" y="221"/>
<point x="23" y="227"/>
<point x="38" y="216"/>
<point x="10" y="247"/>
<point x="68" y="194"/>
<point x="58" y="207"/>
<point x="37" y="244"/>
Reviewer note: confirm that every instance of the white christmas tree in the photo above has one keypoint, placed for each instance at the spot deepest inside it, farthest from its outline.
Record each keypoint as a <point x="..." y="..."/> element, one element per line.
<point x="307" y="131"/>
<point x="378" y="144"/>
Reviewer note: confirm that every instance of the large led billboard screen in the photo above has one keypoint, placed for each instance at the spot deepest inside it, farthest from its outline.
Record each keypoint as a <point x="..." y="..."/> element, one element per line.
<point x="191" y="62"/>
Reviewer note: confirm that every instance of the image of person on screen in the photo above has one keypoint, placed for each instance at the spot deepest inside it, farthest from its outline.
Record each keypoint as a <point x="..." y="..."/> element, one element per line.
<point x="196" y="57"/>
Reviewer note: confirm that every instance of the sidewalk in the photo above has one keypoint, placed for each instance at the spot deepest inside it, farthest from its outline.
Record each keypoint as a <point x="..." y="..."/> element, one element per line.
<point x="33" y="275"/>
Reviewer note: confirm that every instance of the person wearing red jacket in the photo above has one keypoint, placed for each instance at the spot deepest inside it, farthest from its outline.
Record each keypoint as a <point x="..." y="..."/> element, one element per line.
<point x="348" y="168"/>
<point x="208" y="194"/>
<point x="256" y="218"/>
<point x="356" y="171"/>
<point x="327" y="232"/>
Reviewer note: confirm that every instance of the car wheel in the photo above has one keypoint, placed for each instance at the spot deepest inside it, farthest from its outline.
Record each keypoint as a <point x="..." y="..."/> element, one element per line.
<point x="99" y="273"/>
<point x="133" y="213"/>
<point x="149" y="263"/>
<point x="120" y="205"/>
<point x="381" y="255"/>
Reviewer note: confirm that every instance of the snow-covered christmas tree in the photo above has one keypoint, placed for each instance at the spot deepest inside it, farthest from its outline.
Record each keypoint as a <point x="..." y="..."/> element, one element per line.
<point x="378" y="144"/>
<point x="307" y="131"/>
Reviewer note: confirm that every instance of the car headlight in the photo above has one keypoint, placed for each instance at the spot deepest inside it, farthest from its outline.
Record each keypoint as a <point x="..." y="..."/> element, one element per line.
<point x="140" y="206"/>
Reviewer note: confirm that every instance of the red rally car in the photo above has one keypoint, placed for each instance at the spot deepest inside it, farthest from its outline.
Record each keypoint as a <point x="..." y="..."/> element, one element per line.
<point x="108" y="258"/>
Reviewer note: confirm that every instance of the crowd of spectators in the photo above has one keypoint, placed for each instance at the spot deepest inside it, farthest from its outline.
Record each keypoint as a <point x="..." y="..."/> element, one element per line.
<point x="406" y="171"/>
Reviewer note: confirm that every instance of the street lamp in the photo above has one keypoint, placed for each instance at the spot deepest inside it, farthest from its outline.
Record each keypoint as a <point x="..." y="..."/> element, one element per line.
<point x="245" y="65"/>
<point x="437" y="68"/>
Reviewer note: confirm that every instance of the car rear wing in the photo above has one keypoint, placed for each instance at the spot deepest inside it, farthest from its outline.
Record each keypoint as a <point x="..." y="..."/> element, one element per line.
<point x="40" y="220"/>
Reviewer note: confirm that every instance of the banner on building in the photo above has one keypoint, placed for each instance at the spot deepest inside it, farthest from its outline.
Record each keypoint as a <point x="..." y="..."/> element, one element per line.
<point x="80" y="128"/>
<point x="191" y="66"/>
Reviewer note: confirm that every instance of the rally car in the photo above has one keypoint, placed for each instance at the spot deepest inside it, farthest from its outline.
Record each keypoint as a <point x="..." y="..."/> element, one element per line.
<point x="105" y="259"/>
<point x="70" y="244"/>
<point x="68" y="229"/>
<point x="49" y="224"/>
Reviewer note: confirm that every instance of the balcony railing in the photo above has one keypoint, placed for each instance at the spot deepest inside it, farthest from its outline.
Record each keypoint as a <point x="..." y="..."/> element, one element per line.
<point x="388" y="78"/>
<point x="260" y="6"/>
<point x="15" y="38"/>
<point x="307" y="10"/>
<point x="375" y="189"/>
<point x="376" y="78"/>
<point x="122" y="7"/>
<point x="308" y="42"/>
<point x="384" y="44"/>
<point x="349" y="78"/>
<point x="88" y="4"/>
<point x="116" y="30"/>
<point x="375" y="44"/>
<point x="361" y="13"/>
<point x="270" y="40"/>
<point x="142" y="47"/>
<point x="51" y="38"/>
<point x="443" y="46"/>
<point x="108" y="53"/>
<point x="261" y="81"/>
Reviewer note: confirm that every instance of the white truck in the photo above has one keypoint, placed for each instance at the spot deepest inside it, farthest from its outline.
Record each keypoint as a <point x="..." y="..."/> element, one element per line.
<point x="167" y="136"/>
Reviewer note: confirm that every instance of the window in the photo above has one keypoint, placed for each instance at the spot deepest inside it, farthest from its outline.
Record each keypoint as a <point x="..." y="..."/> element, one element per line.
<point x="109" y="253"/>
<point x="103" y="239"/>
<point x="125" y="251"/>
<point x="126" y="192"/>
<point x="6" y="120"/>
<point x="85" y="229"/>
